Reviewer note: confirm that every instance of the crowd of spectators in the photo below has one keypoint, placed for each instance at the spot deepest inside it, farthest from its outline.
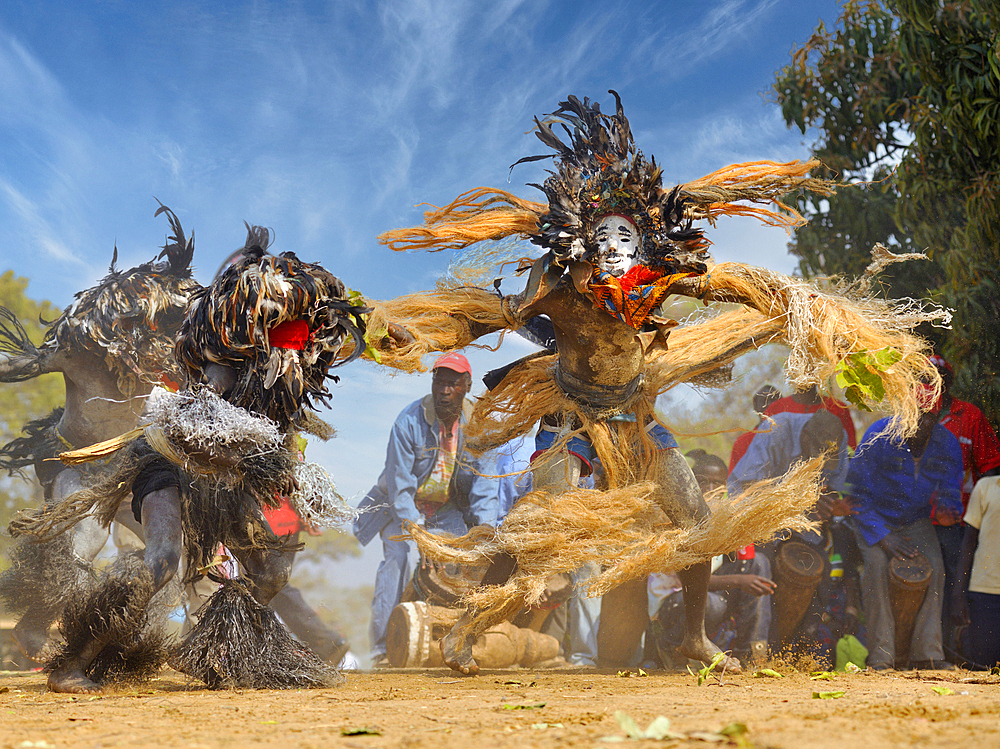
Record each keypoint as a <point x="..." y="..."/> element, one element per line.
<point x="930" y="501"/>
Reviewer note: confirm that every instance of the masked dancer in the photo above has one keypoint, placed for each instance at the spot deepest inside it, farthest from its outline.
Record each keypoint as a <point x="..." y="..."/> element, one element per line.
<point x="111" y="346"/>
<point x="616" y="243"/>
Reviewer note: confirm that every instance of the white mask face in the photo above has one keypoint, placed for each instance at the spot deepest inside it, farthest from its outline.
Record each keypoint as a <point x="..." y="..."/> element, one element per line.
<point x="617" y="245"/>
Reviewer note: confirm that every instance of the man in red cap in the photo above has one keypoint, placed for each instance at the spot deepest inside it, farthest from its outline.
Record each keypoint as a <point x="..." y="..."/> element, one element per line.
<point x="980" y="457"/>
<point x="428" y="479"/>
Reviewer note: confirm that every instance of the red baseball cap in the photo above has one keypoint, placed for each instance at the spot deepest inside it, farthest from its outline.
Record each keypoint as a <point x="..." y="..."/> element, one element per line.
<point x="456" y="362"/>
<point x="940" y="362"/>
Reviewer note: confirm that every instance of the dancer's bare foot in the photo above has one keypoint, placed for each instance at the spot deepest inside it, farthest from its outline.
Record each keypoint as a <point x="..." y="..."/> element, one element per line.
<point x="72" y="680"/>
<point x="457" y="651"/>
<point x="31" y="639"/>
<point x="705" y="651"/>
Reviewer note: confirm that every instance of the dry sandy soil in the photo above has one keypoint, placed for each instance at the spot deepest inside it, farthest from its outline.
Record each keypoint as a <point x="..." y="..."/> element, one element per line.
<point x="513" y="709"/>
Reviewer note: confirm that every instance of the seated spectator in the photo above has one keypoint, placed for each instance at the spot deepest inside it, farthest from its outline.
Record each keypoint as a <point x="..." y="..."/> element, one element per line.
<point x="794" y="437"/>
<point x="808" y="401"/>
<point x="739" y="590"/>
<point x="891" y="484"/>
<point x="763" y="398"/>
<point x="514" y="472"/>
<point x="980" y="606"/>
<point x="980" y="457"/>
<point x="428" y="479"/>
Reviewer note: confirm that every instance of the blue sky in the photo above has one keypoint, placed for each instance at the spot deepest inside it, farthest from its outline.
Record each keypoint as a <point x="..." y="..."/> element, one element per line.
<point x="330" y="121"/>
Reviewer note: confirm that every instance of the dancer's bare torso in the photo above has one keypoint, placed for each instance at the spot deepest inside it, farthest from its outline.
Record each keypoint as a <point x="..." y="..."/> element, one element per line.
<point x="593" y="346"/>
<point x="96" y="409"/>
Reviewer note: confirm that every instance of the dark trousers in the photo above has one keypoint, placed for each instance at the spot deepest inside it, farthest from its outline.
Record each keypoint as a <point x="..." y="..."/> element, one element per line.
<point x="982" y="638"/>
<point x="304" y="622"/>
<point x="950" y="538"/>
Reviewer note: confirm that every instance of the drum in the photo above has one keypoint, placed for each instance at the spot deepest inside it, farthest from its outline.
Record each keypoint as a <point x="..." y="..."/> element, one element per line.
<point x="908" y="583"/>
<point x="798" y="570"/>
<point x="415" y="629"/>
<point x="445" y="584"/>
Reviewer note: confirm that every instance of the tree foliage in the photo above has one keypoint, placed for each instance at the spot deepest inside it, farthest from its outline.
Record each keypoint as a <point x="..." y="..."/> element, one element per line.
<point x="23" y="401"/>
<point x="905" y="96"/>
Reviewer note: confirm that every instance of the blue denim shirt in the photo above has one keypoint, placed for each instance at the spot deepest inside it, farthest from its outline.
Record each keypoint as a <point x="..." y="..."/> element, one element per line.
<point x="892" y="490"/>
<point x="409" y="460"/>
<point x="772" y="453"/>
<point x="514" y="470"/>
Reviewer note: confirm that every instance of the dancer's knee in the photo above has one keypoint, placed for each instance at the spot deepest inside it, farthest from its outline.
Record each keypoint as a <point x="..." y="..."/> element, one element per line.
<point x="162" y="565"/>
<point x="272" y="576"/>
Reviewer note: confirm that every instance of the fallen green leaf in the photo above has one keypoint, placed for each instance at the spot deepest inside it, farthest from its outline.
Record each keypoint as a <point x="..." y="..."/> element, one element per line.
<point x="360" y="731"/>
<point x="852" y="668"/>
<point x="943" y="690"/>
<point x="737" y="734"/>
<point x="642" y="673"/>
<point x="827" y="695"/>
<point x="704" y="673"/>
<point x="822" y="675"/>
<point x="507" y="706"/>
<point x="659" y="729"/>
<point x="734" y="729"/>
<point x="769" y="673"/>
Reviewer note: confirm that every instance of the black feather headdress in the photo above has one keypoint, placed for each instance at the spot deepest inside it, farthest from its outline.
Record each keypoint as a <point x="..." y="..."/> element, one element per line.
<point x="233" y="321"/>
<point x="130" y="317"/>
<point x="600" y="172"/>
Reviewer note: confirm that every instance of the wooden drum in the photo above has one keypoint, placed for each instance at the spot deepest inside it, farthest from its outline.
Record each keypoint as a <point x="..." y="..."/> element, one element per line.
<point x="798" y="570"/>
<point x="908" y="583"/>
<point x="415" y="629"/>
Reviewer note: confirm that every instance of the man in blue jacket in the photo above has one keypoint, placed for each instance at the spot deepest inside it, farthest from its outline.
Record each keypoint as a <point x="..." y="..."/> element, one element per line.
<point x="892" y="484"/>
<point x="428" y="479"/>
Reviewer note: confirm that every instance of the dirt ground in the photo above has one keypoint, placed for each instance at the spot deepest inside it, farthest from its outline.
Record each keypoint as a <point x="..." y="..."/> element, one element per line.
<point x="514" y="709"/>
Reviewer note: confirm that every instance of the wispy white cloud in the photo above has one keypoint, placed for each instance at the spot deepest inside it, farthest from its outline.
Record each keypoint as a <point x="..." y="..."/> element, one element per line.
<point x="679" y="50"/>
<point x="38" y="231"/>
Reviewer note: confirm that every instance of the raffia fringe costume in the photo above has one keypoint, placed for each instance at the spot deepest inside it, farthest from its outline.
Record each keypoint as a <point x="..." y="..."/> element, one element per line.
<point x="600" y="172"/>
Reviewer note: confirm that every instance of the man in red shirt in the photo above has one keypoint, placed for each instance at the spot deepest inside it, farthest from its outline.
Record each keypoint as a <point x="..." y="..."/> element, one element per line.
<point x="980" y="457"/>
<point x="809" y="401"/>
<point x="806" y="401"/>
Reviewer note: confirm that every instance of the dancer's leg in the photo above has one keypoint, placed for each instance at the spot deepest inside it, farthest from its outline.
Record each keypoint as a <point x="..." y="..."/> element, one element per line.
<point x="680" y="497"/>
<point x="161" y="525"/>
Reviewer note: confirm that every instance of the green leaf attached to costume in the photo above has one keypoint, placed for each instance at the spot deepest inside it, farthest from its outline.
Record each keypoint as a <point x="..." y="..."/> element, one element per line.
<point x="358" y="299"/>
<point x="860" y="375"/>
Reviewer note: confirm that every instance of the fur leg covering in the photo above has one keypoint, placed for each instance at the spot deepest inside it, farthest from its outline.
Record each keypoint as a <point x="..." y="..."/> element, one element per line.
<point x="116" y="611"/>
<point x="239" y="644"/>
<point x="43" y="577"/>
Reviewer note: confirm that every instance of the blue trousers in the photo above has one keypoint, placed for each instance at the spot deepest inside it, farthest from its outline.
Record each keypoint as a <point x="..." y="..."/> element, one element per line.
<point x="395" y="569"/>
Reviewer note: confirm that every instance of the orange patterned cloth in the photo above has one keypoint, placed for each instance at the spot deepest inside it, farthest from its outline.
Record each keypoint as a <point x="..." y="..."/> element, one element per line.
<point x="633" y="297"/>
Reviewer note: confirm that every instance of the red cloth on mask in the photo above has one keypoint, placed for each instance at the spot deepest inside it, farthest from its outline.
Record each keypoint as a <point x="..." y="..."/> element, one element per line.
<point x="292" y="334"/>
